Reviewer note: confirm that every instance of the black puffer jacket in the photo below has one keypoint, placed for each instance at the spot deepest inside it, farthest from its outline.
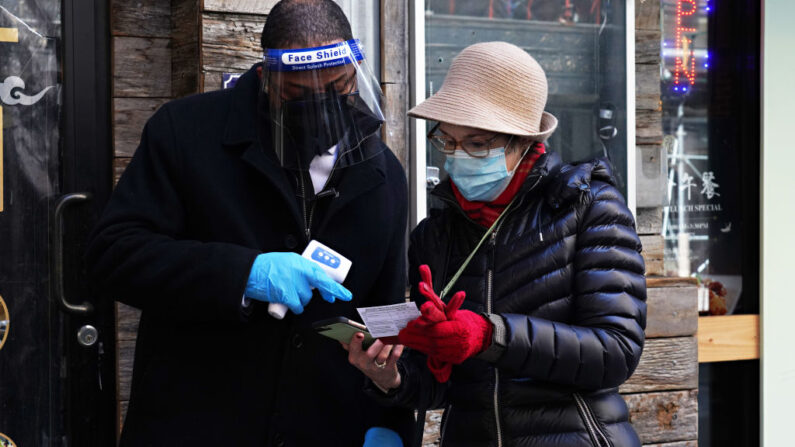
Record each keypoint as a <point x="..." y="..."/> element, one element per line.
<point x="565" y="274"/>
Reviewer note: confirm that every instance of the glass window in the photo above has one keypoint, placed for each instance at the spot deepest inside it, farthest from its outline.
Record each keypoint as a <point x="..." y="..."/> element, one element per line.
<point x="30" y="119"/>
<point x="710" y="99"/>
<point x="711" y="115"/>
<point x="581" y="44"/>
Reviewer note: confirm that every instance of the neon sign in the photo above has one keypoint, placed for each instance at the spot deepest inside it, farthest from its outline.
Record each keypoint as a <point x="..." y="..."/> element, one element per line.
<point x="685" y="57"/>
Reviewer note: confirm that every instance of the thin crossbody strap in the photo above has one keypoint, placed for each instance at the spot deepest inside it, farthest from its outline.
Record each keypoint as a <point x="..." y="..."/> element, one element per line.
<point x="491" y="229"/>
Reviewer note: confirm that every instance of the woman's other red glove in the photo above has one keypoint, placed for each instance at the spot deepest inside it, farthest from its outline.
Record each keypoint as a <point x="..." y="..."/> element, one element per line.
<point x="445" y="333"/>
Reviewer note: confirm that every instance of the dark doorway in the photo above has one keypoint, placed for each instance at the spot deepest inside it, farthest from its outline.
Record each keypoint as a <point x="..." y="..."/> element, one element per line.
<point x="57" y="384"/>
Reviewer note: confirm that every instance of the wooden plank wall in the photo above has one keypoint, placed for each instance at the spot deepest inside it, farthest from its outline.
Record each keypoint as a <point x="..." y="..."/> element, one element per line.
<point x="141" y="67"/>
<point x="218" y="36"/>
<point x="662" y="395"/>
<point x="651" y="160"/>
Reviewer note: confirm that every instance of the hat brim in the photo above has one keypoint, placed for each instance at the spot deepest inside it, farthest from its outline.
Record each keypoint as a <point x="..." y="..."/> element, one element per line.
<point x="442" y="108"/>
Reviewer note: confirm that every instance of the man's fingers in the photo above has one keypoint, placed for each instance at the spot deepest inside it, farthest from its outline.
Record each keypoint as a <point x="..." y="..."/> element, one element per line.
<point x="292" y="301"/>
<point x="328" y="288"/>
<point x="304" y="293"/>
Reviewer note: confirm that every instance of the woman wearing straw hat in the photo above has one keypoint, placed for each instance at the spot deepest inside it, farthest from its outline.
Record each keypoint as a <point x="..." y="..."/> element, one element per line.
<point x="549" y="308"/>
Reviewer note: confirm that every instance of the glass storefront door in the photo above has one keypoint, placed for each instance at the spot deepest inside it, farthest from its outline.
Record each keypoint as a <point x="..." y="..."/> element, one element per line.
<point x="54" y="380"/>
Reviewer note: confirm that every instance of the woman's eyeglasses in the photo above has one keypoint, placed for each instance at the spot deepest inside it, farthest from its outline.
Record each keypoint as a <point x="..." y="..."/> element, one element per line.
<point x="477" y="147"/>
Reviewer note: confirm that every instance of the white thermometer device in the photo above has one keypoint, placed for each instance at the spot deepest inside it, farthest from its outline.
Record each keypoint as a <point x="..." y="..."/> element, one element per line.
<point x="333" y="263"/>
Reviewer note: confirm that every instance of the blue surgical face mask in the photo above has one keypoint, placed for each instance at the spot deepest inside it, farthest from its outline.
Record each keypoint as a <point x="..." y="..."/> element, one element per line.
<point x="479" y="179"/>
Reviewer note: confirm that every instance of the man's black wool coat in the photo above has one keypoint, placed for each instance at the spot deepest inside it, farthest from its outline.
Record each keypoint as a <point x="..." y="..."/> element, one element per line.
<point x="199" y="201"/>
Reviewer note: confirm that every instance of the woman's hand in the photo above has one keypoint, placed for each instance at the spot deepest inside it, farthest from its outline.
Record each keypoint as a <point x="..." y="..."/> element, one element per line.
<point x="378" y="362"/>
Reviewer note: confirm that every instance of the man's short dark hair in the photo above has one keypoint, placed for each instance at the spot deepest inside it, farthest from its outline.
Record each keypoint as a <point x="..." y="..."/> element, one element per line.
<point x="304" y="23"/>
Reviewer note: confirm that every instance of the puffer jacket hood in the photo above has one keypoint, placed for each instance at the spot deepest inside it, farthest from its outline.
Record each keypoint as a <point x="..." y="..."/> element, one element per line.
<point x="570" y="182"/>
<point x="564" y="273"/>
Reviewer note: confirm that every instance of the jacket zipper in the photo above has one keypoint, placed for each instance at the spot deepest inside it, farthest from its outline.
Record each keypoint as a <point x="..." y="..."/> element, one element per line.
<point x="489" y="308"/>
<point x="594" y="429"/>
<point x="309" y="223"/>
<point x="307" y="219"/>
<point x="447" y="413"/>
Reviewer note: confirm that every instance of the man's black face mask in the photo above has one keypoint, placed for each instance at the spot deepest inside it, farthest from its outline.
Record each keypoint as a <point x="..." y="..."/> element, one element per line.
<point x="313" y="124"/>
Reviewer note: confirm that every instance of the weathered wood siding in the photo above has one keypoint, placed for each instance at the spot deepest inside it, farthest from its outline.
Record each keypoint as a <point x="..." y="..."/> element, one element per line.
<point x="651" y="160"/>
<point x="230" y="43"/>
<point x="395" y="76"/>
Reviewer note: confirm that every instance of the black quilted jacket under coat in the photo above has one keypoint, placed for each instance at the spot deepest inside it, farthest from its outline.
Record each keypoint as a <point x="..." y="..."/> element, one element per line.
<point x="565" y="273"/>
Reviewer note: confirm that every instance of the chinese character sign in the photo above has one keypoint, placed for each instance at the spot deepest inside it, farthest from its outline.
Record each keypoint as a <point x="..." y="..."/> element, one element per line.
<point x="700" y="222"/>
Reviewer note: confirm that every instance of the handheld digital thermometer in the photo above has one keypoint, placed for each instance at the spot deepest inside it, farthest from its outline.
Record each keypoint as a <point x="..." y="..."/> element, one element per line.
<point x="333" y="263"/>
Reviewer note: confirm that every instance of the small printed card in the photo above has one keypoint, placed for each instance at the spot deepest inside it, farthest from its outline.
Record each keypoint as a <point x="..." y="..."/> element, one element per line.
<point x="387" y="321"/>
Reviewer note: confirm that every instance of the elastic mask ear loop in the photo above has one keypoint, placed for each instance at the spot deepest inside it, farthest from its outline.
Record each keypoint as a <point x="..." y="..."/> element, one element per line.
<point x="524" y="154"/>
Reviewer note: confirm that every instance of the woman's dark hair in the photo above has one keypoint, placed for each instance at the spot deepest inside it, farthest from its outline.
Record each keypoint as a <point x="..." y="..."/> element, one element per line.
<point x="304" y="23"/>
<point x="519" y="144"/>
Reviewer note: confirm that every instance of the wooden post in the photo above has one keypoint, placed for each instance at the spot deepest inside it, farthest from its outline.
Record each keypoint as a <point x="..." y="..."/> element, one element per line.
<point x="651" y="161"/>
<point x="395" y="76"/>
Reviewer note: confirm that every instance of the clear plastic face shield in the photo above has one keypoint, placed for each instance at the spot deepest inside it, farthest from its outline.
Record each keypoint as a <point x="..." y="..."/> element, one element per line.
<point x="321" y="101"/>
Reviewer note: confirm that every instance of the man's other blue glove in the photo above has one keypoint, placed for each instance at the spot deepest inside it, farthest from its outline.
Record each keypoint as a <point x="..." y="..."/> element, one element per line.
<point x="381" y="437"/>
<point x="288" y="278"/>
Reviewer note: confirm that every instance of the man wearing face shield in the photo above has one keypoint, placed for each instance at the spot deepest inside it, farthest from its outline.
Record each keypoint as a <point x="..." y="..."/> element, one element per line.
<point x="322" y="101"/>
<point x="203" y="234"/>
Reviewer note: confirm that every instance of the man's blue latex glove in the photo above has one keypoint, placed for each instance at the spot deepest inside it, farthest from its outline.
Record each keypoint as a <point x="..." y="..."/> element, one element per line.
<point x="381" y="437"/>
<point x="288" y="278"/>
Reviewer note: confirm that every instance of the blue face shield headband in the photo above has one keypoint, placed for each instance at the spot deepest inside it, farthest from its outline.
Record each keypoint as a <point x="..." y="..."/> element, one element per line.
<point x="305" y="59"/>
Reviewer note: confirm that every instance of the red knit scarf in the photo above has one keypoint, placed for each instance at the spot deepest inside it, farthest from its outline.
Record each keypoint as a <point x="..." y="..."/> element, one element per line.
<point x="485" y="213"/>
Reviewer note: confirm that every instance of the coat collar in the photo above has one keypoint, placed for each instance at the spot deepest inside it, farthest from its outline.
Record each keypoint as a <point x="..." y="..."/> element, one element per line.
<point x="241" y="124"/>
<point x="240" y="135"/>
<point x="356" y="180"/>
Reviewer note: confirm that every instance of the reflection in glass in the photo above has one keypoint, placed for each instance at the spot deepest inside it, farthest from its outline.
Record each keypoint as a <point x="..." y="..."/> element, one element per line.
<point x="30" y="73"/>
<point x="581" y="44"/>
<point x="696" y="194"/>
<point x="710" y="121"/>
<point x="4" y="319"/>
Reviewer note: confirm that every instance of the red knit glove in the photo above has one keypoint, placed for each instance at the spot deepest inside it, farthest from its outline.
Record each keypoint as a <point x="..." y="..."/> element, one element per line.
<point x="445" y="333"/>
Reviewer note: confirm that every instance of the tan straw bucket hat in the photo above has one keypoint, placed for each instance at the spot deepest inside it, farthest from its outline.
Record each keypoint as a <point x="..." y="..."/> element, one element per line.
<point x="493" y="86"/>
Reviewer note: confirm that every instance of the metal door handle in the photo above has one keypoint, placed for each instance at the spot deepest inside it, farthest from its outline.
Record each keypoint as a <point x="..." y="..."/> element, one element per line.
<point x="56" y="261"/>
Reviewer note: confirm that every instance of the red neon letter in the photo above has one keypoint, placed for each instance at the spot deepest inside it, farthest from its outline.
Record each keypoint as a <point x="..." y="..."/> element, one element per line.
<point x="683" y="44"/>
